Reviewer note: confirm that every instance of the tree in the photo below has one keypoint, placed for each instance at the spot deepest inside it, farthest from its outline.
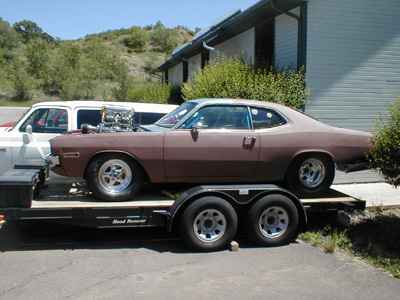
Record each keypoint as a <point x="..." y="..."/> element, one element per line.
<point x="137" y="39"/>
<point x="37" y="53"/>
<point x="384" y="154"/>
<point x="124" y="81"/>
<point x="71" y="54"/>
<point x="102" y="57"/>
<point x="20" y="80"/>
<point x="8" y="36"/>
<point x="29" y="30"/>
<point x="165" y="39"/>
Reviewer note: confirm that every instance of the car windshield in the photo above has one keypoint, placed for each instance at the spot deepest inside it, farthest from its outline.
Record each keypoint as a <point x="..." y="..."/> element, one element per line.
<point x="175" y="116"/>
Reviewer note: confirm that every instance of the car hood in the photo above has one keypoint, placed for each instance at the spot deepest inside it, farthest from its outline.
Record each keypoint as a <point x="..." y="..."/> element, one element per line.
<point x="4" y="129"/>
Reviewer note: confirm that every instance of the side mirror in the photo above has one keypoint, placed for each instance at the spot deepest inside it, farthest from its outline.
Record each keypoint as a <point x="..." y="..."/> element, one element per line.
<point x="196" y="127"/>
<point x="27" y="137"/>
<point x="29" y="129"/>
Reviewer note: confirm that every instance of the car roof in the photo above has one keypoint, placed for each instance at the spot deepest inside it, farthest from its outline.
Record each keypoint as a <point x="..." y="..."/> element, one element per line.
<point x="138" y="107"/>
<point x="240" y="102"/>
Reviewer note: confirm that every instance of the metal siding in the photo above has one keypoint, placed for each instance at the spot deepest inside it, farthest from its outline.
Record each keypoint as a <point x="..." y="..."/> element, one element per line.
<point x="241" y="44"/>
<point x="175" y="75"/>
<point x="194" y="63"/>
<point x="353" y="60"/>
<point x="286" y="41"/>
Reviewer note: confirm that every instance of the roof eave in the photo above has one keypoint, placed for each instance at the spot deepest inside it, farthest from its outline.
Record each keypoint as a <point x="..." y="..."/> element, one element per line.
<point x="254" y="15"/>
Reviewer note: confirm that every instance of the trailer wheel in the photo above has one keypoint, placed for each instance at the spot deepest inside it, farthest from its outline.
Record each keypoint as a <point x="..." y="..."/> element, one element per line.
<point x="114" y="177"/>
<point x="272" y="221"/>
<point x="208" y="224"/>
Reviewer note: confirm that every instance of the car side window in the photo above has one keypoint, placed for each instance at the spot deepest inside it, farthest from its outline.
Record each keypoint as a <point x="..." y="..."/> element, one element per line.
<point x="265" y="118"/>
<point x="219" y="117"/>
<point x="47" y="120"/>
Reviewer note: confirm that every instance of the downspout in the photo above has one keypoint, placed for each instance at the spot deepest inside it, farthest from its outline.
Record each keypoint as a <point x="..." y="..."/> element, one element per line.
<point x="211" y="48"/>
<point x="300" y="33"/>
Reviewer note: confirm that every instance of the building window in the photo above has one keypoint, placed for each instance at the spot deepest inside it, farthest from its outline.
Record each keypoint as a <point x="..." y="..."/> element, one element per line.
<point x="205" y="57"/>
<point x="185" y="70"/>
<point x="264" y="44"/>
<point x="166" y="81"/>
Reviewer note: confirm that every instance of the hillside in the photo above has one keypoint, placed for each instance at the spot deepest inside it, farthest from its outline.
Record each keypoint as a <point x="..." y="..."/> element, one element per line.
<point x="115" y="64"/>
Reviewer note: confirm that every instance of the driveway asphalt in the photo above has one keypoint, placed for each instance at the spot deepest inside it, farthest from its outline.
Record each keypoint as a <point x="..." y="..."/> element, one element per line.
<point x="118" y="264"/>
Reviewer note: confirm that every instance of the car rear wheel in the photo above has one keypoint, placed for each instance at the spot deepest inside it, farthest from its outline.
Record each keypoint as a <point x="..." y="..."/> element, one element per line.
<point x="310" y="175"/>
<point x="114" y="177"/>
<point x="208" y="224"/>
<point x="272" y="221"/>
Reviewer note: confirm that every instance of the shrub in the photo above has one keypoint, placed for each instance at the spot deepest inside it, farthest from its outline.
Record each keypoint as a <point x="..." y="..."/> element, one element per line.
<point x="22" y="83"/>
<point x="150" y="94"/>
<point x="232" y="77"/>
<point x="384" y="154"/>
<point x="165" y="39"/>
<point x="137" y="38"/>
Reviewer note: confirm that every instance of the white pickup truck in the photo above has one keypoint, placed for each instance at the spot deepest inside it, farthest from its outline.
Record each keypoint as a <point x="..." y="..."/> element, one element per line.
<point x="49" y="119"/>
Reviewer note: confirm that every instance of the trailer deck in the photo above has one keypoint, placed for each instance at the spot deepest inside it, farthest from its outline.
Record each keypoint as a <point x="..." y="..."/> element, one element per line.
<point x="63" y="192"/>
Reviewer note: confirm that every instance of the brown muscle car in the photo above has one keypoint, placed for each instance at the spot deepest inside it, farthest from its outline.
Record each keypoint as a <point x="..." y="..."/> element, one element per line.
<point x="214" y="141"/>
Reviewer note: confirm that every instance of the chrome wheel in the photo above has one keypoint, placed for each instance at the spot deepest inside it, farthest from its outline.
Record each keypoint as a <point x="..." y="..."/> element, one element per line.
<point x="115" y="175"/>
<point x="273" y="222"/>
<point x="209" y="225"/>
<point x="312" y="172"/>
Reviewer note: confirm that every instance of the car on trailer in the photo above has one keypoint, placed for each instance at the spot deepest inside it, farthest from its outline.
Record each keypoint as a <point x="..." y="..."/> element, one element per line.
<point x="214" y="141"/>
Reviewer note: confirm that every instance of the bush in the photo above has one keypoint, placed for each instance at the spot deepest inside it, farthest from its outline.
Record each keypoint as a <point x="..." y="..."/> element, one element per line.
<point x="150" y="94"/>
<point x="22" y="83"/>
<point x="137" y="38"/>
<point x="234" y="78"/>
<point x="384" y="154"/>
<point x="163" y="38"/>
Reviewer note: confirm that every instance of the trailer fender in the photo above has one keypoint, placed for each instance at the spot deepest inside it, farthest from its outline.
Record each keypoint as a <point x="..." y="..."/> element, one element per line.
<point x="236" y="195"/>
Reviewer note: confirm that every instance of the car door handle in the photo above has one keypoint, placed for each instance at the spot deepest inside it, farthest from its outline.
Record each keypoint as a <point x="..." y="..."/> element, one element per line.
<point x="249" y="141"/>
<point x="3" y="149"/>
<point x="252" y="138"/>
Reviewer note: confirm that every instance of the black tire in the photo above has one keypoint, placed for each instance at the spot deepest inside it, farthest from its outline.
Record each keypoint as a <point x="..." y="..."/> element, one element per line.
<point x="272" y="221"/>
<point x="310" y="175"/>
<point x="208" y="224"/>
<point x="114" y="177"/>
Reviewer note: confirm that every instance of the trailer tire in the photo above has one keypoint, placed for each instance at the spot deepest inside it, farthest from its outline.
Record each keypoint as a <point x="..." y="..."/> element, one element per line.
<point x="208" y="224"/>
<point x="114" y="177"/>
<point x="272" y="221"/>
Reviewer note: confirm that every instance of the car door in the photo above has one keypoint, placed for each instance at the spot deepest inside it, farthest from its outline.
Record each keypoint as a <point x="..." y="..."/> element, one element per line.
<point x="215" y="142"/>
<point x="44" y="123"/>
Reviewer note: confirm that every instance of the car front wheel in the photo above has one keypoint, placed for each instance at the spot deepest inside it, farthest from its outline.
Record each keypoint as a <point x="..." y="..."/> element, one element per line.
<point x="310" y="175"/>
<point x="114" y="177"/>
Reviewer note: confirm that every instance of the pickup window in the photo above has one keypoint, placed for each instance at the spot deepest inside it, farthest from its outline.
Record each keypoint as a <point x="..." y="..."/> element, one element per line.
<point x="89" y="116"/>
<point x="47" y="120"/>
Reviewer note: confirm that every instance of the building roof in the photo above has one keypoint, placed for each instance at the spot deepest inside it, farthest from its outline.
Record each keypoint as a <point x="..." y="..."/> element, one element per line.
<point x="228" y="26"/>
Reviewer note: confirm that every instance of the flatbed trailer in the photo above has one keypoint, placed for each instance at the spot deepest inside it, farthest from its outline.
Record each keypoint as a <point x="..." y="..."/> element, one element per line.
<point x="207" y="216"/>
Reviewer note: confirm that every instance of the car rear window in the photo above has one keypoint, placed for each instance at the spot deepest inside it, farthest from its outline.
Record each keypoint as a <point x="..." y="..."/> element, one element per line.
<point x="265" y="118"/>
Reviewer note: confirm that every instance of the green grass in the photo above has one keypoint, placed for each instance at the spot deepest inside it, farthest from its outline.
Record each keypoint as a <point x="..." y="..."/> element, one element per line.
<point x="373" y="236"/>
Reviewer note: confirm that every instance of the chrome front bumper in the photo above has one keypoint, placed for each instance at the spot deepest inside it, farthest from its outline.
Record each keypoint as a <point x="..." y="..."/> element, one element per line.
<point x="52" y="160"/>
